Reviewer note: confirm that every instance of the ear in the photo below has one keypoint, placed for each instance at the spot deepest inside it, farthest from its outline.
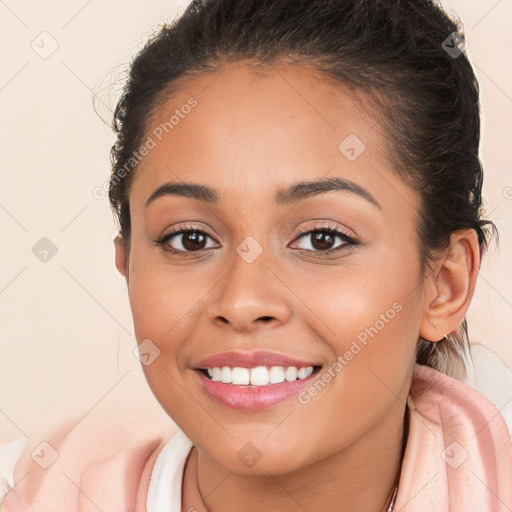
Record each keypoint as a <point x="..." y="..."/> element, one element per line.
<point x="121" y="250"/>
<point x="451" y="286"/>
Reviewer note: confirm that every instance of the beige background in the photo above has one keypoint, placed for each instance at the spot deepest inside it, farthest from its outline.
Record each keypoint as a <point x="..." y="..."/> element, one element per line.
<point x="65" y="325"/>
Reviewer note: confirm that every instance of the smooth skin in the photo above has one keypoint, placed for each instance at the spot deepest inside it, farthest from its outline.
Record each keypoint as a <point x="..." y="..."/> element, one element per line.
<point x="251" y="134"/>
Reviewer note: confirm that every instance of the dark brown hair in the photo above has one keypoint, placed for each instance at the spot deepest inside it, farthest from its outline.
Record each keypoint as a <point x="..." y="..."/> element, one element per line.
<point x="404" y="55"/>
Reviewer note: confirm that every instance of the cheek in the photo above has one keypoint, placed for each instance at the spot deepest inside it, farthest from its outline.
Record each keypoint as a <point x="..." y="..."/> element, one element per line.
<point x="163" y="296"/>
<point x="371" y="332"/>
<point x="162" y="303"/>
<point x="369" y="319"/>
<point x="375" y="299"/>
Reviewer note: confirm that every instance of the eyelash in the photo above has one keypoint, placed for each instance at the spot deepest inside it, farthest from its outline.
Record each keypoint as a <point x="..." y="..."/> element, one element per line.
<point x="350" y="243"/>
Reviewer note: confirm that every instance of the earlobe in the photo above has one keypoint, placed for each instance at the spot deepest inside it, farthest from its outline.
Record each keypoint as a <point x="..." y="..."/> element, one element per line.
<point x="121" y="255"/>
<point x="451" y="288"/>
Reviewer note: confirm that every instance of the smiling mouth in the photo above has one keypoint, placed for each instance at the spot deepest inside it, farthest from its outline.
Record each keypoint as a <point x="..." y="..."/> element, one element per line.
<point x="259" y="375"/>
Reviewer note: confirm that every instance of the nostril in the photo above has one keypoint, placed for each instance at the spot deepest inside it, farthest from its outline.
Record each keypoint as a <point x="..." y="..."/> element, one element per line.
<point x="266" y="318"/>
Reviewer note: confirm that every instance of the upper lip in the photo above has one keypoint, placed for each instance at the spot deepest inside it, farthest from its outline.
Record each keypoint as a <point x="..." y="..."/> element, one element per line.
<point x="250" y="360"/>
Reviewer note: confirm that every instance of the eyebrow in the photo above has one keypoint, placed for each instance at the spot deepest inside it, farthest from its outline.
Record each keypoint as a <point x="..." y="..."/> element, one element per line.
<point x="291" y="194"/>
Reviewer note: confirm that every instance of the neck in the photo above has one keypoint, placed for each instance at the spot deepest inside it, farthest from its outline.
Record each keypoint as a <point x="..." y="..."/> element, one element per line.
<point x="338" y="482"/>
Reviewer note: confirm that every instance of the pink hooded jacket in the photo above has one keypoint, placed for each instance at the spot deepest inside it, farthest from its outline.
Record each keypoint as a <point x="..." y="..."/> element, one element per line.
<point x="458" y="458"/>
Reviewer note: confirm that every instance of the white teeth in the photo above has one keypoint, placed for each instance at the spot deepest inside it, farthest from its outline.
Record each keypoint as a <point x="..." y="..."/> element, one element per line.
<point x="291" y="373"/>
<point x="239" y="375"/>
<point x="225" y="375"/>
<point x="259" y="375"/>
<point x="276" y="374"/>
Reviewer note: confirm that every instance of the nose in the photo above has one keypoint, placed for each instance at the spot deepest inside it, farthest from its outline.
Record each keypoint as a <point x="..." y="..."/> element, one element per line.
<point x="250" y="295"/>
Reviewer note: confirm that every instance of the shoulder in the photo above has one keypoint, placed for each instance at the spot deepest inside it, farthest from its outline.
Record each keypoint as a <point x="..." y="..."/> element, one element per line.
<point x="83" y="456"/>
<point x="432" y="389"/>
<point x="458" y="435"/>
<point x="459" y="410"/>
<point x="486" y="391"/>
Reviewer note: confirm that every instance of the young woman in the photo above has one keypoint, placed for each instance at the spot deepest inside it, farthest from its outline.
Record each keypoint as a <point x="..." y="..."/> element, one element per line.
<point x="298" y="189"/>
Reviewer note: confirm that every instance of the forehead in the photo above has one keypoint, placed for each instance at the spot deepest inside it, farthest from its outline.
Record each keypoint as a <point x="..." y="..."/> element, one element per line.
<point x="257" y="130"/>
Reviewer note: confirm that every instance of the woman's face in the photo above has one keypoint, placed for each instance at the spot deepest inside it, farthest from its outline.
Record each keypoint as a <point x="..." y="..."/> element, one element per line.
<point x="249" y="276"/>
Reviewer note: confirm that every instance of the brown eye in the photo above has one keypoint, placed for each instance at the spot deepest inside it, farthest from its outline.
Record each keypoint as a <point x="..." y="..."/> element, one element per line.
<point x="323" y="240"/>
<point x="185" y="241"/>
<point x="193" y="241"/>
